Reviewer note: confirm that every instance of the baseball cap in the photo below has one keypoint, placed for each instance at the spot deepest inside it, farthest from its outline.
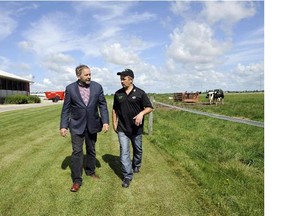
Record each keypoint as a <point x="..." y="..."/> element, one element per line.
<point x="126" y="72"/>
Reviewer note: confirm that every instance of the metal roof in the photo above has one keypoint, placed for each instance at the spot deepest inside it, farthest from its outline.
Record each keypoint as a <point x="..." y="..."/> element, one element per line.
<point x="12" y="76"/>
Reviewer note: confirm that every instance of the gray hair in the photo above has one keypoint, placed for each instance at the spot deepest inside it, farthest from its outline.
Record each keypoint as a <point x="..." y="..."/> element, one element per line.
<point x="79" y="69"/>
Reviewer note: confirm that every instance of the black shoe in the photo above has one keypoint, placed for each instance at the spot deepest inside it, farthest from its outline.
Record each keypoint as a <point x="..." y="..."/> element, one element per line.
<point x="126" y="182"/>
<point x="136" y="169"/>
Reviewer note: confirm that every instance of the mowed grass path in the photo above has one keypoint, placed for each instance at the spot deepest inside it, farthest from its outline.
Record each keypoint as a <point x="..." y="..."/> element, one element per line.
<point x="35" y="174"/>
<point x="192" y="165"/>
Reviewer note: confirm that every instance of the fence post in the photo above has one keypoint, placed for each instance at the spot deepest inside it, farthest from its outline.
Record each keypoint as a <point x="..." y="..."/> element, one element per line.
<point x="150" y="119"/>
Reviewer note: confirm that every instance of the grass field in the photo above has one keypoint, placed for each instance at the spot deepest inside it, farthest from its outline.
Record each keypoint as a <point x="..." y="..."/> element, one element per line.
<point x="240" y="105"/>
<point x="192" y="165"/>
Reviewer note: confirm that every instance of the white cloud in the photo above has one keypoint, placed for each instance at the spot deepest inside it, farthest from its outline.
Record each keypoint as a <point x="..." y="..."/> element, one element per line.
<point x="227" y="13"/>
<point x="103" y="11"/>
<point x="7" y="25"/>
<point x="26" y="8"/>
<point x="47" y="81"/>
<point x="28" y="76"/>
<point x="49" y="35"/>
<point x="249" y="76"/>
<point x="194" y="44"/>
<point x="249" y="49"/>
<point x="111" y="36"/>
<point x="60" y="58"/>
<point x="249" y="70"/>
<point x="24" y="66"/>
<point x="4" y="62"/>
<point x="180" y="7"/>
<point x="115" y="53"/>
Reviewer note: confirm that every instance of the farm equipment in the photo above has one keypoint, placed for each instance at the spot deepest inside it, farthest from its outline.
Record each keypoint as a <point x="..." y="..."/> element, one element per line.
<point x="55" y="96"/>
<point x="186" y="97"/>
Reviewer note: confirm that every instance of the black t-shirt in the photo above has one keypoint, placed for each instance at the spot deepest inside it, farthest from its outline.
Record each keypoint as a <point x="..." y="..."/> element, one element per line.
<point x="127" y="107"/>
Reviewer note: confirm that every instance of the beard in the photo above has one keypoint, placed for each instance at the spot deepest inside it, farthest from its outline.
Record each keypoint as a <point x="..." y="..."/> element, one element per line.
<point x="85" y="83"/>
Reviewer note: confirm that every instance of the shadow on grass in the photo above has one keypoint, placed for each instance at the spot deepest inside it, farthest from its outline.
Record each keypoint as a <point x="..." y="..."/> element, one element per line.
<point x="67" y="163"/>
<point x="114" y="163"/>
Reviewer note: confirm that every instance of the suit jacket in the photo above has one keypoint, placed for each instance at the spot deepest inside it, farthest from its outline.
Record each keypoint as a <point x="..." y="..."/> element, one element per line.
<point x="77" y="116"/>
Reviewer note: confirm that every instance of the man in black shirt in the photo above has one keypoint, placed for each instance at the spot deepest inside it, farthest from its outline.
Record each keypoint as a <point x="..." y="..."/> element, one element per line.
<point x="130" y="106"/>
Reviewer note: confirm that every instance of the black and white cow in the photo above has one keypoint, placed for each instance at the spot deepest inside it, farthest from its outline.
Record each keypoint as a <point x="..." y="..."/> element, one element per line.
<point x="215" y="96"/>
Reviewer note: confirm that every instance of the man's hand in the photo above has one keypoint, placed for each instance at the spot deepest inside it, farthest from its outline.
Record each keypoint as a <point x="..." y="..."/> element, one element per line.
<point x="138" y="119"/>
<point x="63" y="132"/>
<point x="105" y="128"/>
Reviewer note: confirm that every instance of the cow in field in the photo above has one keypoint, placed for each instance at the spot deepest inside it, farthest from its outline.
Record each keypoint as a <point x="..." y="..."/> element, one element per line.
<point x="215" y="96"/>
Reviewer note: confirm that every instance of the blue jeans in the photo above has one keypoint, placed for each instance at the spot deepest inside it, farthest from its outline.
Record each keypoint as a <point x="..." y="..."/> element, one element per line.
<point x="127" y="164"/>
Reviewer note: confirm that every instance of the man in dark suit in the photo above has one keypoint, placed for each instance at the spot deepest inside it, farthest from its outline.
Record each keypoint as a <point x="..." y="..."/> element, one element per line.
<point x="83" y="101"/>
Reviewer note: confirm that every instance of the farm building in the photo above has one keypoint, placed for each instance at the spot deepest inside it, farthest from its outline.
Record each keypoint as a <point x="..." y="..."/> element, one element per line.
<point x="13" y="84"/>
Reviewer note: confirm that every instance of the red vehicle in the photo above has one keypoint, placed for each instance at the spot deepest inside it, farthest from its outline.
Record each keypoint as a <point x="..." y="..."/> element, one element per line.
<point x="55" y="96"/>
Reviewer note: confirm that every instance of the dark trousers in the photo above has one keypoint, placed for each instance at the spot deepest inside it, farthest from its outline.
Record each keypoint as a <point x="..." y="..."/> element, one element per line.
<point x="77" y="155"/>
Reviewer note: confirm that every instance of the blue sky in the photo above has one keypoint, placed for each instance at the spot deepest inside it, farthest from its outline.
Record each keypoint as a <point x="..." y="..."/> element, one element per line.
<point x="171" y="46"/>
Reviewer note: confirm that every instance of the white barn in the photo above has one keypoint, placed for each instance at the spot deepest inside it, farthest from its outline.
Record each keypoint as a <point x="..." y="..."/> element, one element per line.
<point x="13" y="84"/>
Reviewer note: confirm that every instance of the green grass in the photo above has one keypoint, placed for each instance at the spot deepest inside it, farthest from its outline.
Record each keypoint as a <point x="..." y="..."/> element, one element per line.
<point x="240" y="105"/>
<point x="226" y="160"/>
<point x="192" y="165"/>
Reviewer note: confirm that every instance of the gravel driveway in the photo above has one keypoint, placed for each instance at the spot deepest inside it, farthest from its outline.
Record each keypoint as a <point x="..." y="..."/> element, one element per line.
<point x="9" y="107"/>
